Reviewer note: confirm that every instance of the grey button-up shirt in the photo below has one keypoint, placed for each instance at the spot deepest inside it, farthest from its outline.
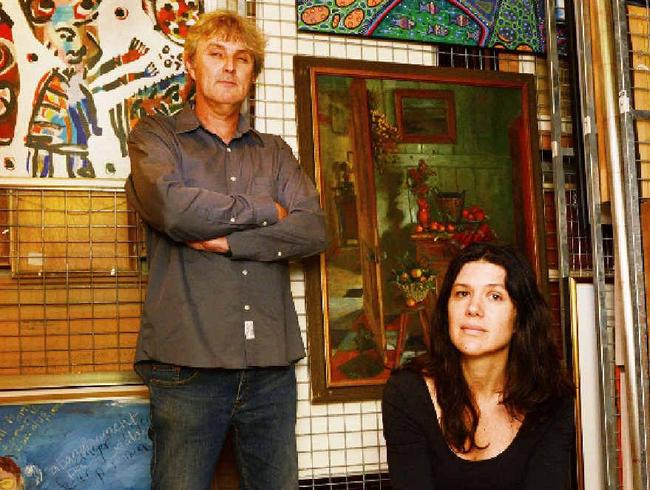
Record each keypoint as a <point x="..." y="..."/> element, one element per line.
<point x="205" y="309"/>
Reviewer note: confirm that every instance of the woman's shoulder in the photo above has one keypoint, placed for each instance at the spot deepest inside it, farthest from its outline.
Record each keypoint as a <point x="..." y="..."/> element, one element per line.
<point x="557" y="414"/>
<point x="562" y="407"/>
<point x="405" y="377"/>
<point x="405" y="383"/>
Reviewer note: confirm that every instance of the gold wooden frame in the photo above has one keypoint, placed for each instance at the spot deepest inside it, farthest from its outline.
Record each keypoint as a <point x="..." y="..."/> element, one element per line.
<point x="20" y="385"/>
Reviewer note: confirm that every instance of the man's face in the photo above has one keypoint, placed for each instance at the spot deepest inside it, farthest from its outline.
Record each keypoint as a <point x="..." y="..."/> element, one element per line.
<point x="222" y="72"/>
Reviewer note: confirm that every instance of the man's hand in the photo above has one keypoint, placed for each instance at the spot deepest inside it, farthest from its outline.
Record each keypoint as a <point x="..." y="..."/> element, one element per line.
<point x="217" y="245"/>
<point x="282" y="213"/>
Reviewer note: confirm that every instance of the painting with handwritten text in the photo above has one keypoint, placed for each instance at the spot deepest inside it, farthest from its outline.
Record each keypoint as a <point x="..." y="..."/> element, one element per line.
<point x="75" y="77"/>
<point x="76" y="446"/>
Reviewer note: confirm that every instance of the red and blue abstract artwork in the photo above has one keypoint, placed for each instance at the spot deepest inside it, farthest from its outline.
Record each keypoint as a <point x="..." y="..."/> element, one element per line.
<point x="89" y="70"/>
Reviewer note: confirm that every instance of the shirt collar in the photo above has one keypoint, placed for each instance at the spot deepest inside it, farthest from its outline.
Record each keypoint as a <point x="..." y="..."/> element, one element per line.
<point x="187" y="121"/>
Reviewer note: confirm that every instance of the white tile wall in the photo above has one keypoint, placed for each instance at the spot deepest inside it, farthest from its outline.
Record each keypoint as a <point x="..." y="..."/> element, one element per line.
<point x="339" y="438"/>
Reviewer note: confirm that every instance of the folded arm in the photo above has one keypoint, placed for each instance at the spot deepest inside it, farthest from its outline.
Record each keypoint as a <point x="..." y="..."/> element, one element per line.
<point x="157" y="191"/>
<point x="299" y="229"/>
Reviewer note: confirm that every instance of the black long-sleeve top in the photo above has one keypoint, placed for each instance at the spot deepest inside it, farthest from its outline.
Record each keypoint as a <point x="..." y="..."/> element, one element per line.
<point x="419" y="457"/>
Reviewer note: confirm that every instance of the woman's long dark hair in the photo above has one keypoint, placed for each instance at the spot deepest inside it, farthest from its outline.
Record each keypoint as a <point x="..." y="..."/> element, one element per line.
<point x="535" y="378"/>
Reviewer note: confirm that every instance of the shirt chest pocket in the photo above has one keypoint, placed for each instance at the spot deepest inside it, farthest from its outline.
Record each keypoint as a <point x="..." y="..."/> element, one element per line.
<point x="263" y="186"/>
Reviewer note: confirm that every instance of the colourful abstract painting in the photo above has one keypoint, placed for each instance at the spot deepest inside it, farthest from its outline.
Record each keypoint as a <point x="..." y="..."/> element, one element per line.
<point x="516" y="25"/>
<point x="75" y="77"/>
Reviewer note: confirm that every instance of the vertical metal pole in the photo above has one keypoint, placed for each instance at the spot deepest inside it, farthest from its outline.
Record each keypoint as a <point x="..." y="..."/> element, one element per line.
<point x="552" y="61"/>
<point x="629" y="260"/>
<point x="609" y="453"/>
<point x="553" y="69"/>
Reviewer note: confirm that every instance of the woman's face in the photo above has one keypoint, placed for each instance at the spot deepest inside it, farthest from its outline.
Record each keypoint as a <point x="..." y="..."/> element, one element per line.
<point x="481" y="313"/>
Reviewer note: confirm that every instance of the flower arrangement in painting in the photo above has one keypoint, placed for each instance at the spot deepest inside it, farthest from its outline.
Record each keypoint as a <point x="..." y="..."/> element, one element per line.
<point x="414" y="279"/>
<point x="384" y="137"/>
<point x="416" y="179"/>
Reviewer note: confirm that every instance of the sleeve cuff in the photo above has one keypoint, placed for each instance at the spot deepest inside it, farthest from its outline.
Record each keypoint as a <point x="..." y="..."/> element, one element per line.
<point x="265" y="211"/>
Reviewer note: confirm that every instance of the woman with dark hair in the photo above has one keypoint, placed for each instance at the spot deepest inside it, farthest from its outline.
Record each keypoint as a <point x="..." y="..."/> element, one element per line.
<point x="490" y="406"/>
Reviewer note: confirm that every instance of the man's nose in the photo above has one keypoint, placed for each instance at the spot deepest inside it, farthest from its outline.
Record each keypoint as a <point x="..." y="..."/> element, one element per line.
<point x="229" y="63"/>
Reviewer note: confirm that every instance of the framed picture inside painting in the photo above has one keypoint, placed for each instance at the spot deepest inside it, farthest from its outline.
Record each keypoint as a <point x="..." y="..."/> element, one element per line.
<point x="425" y="116"/>
<point x="401" y="198"/>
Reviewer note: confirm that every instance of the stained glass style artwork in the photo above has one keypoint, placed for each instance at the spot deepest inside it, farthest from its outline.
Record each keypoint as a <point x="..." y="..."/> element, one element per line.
<point x="516" y="25"/>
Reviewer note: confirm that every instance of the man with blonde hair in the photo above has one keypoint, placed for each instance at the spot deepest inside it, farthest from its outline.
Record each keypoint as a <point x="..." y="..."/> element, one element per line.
<point x="226" y="207"/>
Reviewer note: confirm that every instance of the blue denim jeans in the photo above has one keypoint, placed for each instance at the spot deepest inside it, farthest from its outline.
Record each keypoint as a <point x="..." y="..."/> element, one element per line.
<point x="192" y="410"/>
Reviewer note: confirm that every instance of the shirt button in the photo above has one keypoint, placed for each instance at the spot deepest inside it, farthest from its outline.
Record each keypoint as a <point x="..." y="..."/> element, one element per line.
<point x="245" y="272"/>
<point x="233" y="178"/>
<point x="279" y="254"/>
<point x="228" y="149"/>
<point x="232" y="220"/>
<point x="247" y="307"/>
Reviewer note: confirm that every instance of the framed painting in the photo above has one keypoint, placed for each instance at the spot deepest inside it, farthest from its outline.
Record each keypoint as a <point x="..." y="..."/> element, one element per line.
<point x="502" y="24"/>
<point x="398" y="210"/>
<point x="71" y="101"/>
<point x="77" y="444"/>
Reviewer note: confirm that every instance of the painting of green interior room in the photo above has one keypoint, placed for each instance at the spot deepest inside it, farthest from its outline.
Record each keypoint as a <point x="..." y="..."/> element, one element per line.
<point x="478" y="166"/>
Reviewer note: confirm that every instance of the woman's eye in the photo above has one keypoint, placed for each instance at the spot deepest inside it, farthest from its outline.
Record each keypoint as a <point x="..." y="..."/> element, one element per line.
<point x="461" y="294"/>
<point x="496" y="296"/>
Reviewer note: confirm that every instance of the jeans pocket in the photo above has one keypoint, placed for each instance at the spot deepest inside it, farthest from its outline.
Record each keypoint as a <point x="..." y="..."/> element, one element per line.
<point x="162" y="374"/>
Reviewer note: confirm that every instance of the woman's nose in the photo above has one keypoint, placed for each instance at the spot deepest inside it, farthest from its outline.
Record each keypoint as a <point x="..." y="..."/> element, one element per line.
<point x="474" y="307"/>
